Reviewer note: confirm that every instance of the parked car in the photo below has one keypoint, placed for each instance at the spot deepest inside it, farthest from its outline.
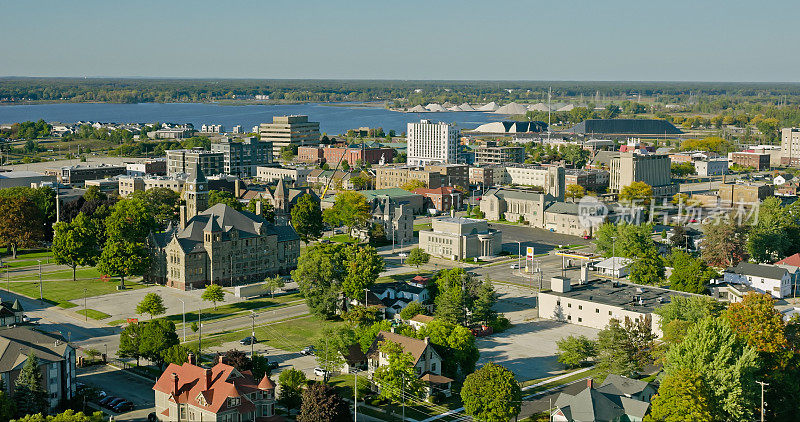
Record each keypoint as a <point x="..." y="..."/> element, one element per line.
<point x="514" y="266"/>
<point x="113" y="403"/>
<point x="248" y="341"/>
<point x="102" y="394"/>
<point x="107" y="399"/>
<point x="308" y="351"/>
<point x="272" y="364"/>
<point x="320" y="372"/>
<point x="125" y="406"/>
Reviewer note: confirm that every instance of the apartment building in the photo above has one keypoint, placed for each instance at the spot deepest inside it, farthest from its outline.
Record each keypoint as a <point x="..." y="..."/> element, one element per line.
<point x="78" y="175"/>
<point x="241" y="158"/>
<point x="429" y="142"/>
<point x="442" y="199"/>
<point x="491" y="153"/>
<point x="452" y="174"/>
<point x="774" y="280"/>
<point x="397" y="176"/>
<point x="289" y="130"/>
<point x="297" y="175"/>
<point x="459" y="238"/>
<point x="653" y="169"/>
<point x="56" y="362"/>
<point x="591" y="179"/>
<point x="790" y="146"/>
<point x="711" y="167"/>
<point x="372" y="154"/>
<point x="551" y="179"/>
<point x="182" y="161"/>
<point x="758" y="161"/>
<point x="486" y="176"/>
<point x="208" y="128"/>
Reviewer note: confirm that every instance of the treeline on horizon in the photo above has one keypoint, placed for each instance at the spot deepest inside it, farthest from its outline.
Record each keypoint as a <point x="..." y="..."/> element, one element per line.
<point x="715" y="96"/>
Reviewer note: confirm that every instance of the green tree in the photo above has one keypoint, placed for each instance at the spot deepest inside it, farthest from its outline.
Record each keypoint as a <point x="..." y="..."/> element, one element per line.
<point x="7" y="409"/>
<point x="307" y="218"/>
<point x="689" y="274"/>
<point x="124" y="259"/>
<point x="273" y="283"/>
<point x="151" y="304"/>
<point x="574" y="192"/>
<point x="772" y="236"/>
<point x="681" y="312"/>
<point x="398" y="378"/>
<point x="417" y="257"/>
<point x="129" y="221"/>
<point x="625" y="347"/>
<point x="224" y="197"/>
<point x="29" y="393"/>
<point x="344" y="165"/>
<point x="454" y="343"/>
<point x="319" y="274"/>
<point x="411" y="310"/>
<point x="161" y="203"/>
<point x="130" y="340"/>
<point x="21" y="224"/>
<point x="329" y="347"/>
<point x="413" y="185"/>
<point x="491" y="394"/>
<point x="176" y="354"/>
<point x="322" y="404"/>
<point x="157" y="337"/>
<point x="681" y="396"/>
<point x="625" y="240"/>
<point x="68" y="415"/>
<point x="451" y="305"/>
<point x="76" y="243"/>
<point x="485" y="298"/>
<point x="725" y="363"/>
<point x="636" y="194"/>
<point x="213" y="293"/>
<point x="350" y="209"/>
<point x="363" y="266"/>
<point x="291" y="383"/>
<point x="648" y="268"/>
<point x="574" y="350"/>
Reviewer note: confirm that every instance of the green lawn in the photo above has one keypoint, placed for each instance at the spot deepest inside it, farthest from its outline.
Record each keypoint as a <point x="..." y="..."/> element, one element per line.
<point x="94" y="314"/>
<point x="343" y="238"/>
<point x="28" y="253"/>
<point x="224" y="310"/>
<point x="291" y="335"/>
<point x="65" y="290"/>
<point x="80" y="274"/>
<point x="402" y="277"/>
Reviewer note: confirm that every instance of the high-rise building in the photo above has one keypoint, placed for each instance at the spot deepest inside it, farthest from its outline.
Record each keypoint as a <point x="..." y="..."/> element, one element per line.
<point x="289" y="130"/>
<point x="790" y="146"/>
<point x="241" y="158"/>
<point x="429" y="143"/>
<point x="653" y="169"/>
<point x="182" y="161"/>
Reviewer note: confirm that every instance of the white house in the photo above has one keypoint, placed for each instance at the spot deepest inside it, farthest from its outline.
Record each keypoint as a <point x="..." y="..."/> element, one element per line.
<point x="396" y="296"/>
<point x="427" y="363"/>
<point x="764" y="278"/>
<point x="782" y="179"/>
<point x="616" y="267"/>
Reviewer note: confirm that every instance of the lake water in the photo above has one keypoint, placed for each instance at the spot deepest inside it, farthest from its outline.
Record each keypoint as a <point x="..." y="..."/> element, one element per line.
<point x="333" y="119"/>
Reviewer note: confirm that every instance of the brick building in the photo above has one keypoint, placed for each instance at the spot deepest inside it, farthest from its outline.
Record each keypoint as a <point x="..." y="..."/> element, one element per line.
<point x="751" y="159"/>
<point x="442" y="199"/>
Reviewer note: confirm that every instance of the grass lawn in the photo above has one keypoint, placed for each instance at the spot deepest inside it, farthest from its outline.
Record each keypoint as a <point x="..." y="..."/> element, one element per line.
<point x="423" y="226"/>
<point x="62" y="291"/>
<point x="94" y="314"/>
<point x="343" y="238"/>
<point x="80" y="274"/>
<point x="291" y="335"/>
<point x="234" y="308"/>
<point x="403" y="277"/>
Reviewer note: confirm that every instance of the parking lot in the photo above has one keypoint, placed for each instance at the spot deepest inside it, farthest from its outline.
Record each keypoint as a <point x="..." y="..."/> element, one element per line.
<point x="124" y="385"/>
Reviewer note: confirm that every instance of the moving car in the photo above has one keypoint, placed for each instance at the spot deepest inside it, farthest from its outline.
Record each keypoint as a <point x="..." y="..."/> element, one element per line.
<point x="248" y="341"/>
<point x="320" y="372"/>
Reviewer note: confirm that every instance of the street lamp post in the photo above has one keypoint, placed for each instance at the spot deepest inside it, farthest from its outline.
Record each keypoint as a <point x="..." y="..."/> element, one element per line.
<point x="85" y="310"/>
<point x="183" y="318"/>
<point x="41" y="297"/>
<point x="519" y="255"/>
<point x="762" y="384"/>
<point x="252" y="334"/>
<point x="613" y="257"/>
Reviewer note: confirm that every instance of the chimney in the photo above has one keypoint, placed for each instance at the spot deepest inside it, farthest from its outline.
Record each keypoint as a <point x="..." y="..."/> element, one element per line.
<point x="237" y="188"/>
<point x="427" y="340"/>
<point x="190" y="359"/>
<point x="207" y="380"/>
<point x="219" y="359"/>
<point x="590" y="383"/>
<point x="175" y="384"/>
<point x="183" y="217"/>
<point x="258" y="207"/>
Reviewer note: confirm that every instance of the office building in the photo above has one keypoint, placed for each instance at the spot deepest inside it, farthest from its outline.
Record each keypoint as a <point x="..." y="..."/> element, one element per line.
<point x="442" y="199"/>
<point x="594" y="180"/>
<point x="491" y="153"/>
<point x="452" y="174"/>
<point x="353" y="154"/>
<point x="711" y="167"/>
<point x="755" y="160"/>
<point x="551" y="179"/>
<point x="652" y="169"/>
<point x="289" y="131"/>
<point x="182" y="161"/>
<point x="78" y="175"/>
<point x="459" y="238"/>
<point x="790" y="146"/>
<point x="486" y="176"/>
<point x="14" y="178"/>
<point x="240" y="158"/>
<point x="430" y="142"/>
<point x="297" y="175"/>
<point x="397" y="176"/>
<point x="157" y="167"/>
<point x="732" y="194"/>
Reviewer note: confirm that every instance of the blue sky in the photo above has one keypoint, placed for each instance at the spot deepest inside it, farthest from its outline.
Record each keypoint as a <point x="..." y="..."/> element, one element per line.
<point x="700" y="40"/>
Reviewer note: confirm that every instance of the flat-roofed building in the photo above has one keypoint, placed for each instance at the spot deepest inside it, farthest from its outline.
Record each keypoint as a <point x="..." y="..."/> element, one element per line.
<point x="460" y="238"/>
<point x="289" y="130"/>
<point x="157" y="167"/>
<point x="430" y="142"/>
<point x="397" y="176"/>
<point x="652" y="169"/>
<point x="241" y="158"/>
<point x="15" y="178"/>
<point x="491" y="153"/>
<point x="711" y="167"/>
<point x="297" y="175"/>
<point x="731" y="194"/>
<point x="372" y="154"/>
<point x="182" y="161"/>
<point x="551" y="179"/>
<point x="790" y="146"/>
<point x="79" y="174"/>
<point x="105" y="185"/>
<point x="486" y="176"/>
<point x="758" y="161"/>
<point x="590" y="179"/>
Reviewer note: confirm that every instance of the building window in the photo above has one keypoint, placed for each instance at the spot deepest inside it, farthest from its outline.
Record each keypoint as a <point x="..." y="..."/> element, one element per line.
<point x="580" y="319"/>
<point x="569" y="305"/>
<point x="580" y="307"/>
<point x="597" y="310"/>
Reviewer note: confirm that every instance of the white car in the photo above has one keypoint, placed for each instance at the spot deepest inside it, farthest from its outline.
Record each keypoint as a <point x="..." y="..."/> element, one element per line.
<point x="320" y="372"/>
<point x="514" y="266"/>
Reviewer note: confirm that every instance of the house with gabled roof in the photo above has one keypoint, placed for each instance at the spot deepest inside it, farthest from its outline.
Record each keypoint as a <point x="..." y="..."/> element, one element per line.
<point x="427" y="362"/>
<point x="617" y="399"/>
<point x="190" y="392"/>
<point x="775" y="280"/>
<point x="10" y="313"/>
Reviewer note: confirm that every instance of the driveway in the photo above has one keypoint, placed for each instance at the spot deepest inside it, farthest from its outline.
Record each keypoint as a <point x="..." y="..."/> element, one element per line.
<point x="119" y="383"/>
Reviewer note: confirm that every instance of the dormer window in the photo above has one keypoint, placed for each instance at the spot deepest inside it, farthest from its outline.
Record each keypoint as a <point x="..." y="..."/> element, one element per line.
<point x="201" y="400"/>
<point x="234" y="401"/>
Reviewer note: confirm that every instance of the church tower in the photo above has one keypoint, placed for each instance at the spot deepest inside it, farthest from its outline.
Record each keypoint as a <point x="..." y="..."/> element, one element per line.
<point x="196" y="192"/>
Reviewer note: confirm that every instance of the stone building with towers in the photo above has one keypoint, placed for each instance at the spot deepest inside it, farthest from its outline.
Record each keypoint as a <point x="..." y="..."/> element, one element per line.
<point x="219" y="245"/>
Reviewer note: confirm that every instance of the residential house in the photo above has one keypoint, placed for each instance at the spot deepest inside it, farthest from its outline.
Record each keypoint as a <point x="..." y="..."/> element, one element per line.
<point x="10" y="313"/>
<point x="396" y="296"/>
<point x="190" y="392"/>
<point x="616" y="267"/>
<point x="56" y="362"/>
<point x="617" y="399"/>
<point x="427" y="362"/>
<point x="764" y="278"/>
<point x="419" y="321"/>
<point x="354" y="360"/>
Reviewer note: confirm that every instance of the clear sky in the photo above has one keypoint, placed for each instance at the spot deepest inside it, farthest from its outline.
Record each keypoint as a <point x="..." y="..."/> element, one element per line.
<point x="676" y="40"/>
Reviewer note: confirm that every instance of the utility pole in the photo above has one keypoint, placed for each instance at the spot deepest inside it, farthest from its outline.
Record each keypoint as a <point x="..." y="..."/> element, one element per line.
<point x="762" y="384"/>
<point x="200" y="336"/>
<point x="85" y="310"/>
<point x="613" y="258"/>
<point x="41" y="297"/>
<point x="403" y="394"/>
<point x="355" y="397"/>
<point x="253" y="334"/>
<point x="183" y="317"/>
